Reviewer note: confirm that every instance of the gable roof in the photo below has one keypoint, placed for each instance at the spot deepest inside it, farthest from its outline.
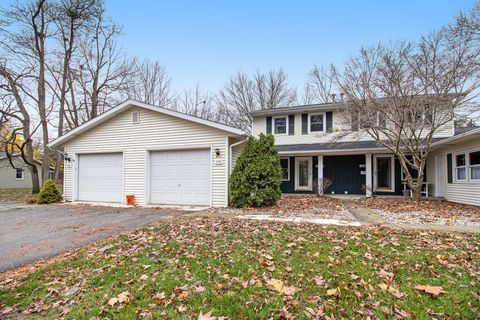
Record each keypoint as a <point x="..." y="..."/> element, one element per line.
<point x="133" y="103"/>
<point x="3" y="156"/>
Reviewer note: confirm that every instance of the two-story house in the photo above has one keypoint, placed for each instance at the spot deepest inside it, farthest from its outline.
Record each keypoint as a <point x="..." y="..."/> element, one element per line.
<point x="157" y="156"/>
<point x="319" y="154"/>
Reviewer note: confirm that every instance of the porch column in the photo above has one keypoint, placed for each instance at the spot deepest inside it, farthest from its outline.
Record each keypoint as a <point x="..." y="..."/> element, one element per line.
<point x="320" y="174"/>
<point x="368" y="175"/>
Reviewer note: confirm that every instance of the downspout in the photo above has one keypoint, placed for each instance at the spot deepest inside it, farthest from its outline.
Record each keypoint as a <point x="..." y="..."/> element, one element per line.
<point x="230" y="155"/>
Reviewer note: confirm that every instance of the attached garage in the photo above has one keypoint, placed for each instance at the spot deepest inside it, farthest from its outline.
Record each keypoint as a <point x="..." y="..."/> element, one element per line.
<point x="100" y="177"/>
<point x="180" y="177"/>
<point x="159" y="156"/>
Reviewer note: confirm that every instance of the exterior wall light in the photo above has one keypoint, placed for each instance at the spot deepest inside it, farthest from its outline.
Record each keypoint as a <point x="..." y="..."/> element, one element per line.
<point x="217" y="152"/>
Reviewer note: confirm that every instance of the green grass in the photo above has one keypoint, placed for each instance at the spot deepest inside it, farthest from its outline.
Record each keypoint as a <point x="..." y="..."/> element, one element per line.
<point x="232" y="260"/>
<point x="15" y="194"/>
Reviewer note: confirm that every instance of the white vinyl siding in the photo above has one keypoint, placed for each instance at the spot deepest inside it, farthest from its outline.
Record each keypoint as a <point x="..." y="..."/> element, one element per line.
<point x="155" y="132"/>
<point x="340" y="131"/>
<point x="236" y="152"/>
<point x="467" y="192"/>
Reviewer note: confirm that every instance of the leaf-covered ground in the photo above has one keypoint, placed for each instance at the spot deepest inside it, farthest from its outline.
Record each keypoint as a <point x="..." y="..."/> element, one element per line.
<point x="401" y="210"/>
<point x="244" y="269"/>
<point x="20" y="195"/>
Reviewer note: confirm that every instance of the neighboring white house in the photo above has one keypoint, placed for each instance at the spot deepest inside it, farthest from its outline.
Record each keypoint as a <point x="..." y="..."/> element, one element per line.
<point x="18" y="177"/>
<point x="159" y="156"/>
<point x="315" y="146"/>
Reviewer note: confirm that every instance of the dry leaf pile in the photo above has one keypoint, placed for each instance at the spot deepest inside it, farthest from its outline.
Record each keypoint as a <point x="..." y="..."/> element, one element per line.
<point x="308" y="206"/>
<point x="220" y="268"/>
<point x="399" y="210"/>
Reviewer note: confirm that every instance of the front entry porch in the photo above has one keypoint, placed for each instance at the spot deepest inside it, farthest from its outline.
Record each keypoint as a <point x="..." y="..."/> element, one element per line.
<point x="347" y="174"/>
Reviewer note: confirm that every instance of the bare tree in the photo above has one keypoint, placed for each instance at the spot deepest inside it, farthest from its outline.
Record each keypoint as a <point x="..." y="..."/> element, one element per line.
<point x="103" y="70"/>
<point x="196" y="103"/>
<point x="242" y="95"/>
<point x="71" y="18"/>
<point x="150" y="83"/>
<point x="320" y="87"/>
<point x="403" y="94"/>
<point x="13" y="111"/>
<point x="23" y="41"/>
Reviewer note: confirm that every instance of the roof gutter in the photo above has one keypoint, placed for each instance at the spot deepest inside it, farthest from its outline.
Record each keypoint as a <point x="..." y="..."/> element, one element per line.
<point x="456" y="138"/>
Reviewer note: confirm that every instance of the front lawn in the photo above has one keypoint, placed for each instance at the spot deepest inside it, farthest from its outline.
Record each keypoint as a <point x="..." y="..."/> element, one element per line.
<point x="245" y="269"/>
<point x="20" y="195"/>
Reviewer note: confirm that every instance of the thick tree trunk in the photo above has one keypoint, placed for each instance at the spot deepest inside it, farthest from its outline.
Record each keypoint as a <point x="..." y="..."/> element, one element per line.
<point x="63" y="93"/>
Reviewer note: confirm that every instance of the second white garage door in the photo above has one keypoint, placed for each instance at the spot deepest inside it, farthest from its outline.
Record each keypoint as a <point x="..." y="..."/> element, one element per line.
<point x="180" y="177"/>
<point x="100" y="177"/>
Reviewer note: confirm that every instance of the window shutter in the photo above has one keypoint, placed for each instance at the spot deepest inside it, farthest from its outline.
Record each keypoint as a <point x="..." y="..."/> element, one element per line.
<point x="269" y="125"/>
<point x="304" y="123"/>
<point x="291" y="124"/>
<point x="329" y="116"/>
<point x="449" y="168"/>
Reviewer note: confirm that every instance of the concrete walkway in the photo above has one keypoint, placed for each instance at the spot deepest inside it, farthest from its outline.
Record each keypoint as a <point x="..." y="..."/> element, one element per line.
<point x="269" y="217"/>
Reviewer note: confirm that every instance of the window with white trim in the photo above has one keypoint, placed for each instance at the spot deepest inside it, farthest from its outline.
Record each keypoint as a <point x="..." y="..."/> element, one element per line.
<point x="474" y="165"/>
<point x="285" y="164"/>
<point x="461" y="167"/>
<point x="317" y="122"/>
<point x="280" y="125"/>
<point x="19" y="174"/>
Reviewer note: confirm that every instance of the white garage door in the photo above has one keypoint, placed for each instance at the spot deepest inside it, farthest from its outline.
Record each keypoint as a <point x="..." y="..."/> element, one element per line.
<point x="180" y="177"/>
<point x="100" y="177"/>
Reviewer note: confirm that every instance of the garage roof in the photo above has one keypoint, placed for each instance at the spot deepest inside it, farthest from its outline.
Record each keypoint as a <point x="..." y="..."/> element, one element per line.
<point x="130" y="103"/>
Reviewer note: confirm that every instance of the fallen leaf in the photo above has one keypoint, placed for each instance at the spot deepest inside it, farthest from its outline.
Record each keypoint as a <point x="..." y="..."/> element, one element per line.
<point x="432" y="290"/>
<point x="333" y="292"/>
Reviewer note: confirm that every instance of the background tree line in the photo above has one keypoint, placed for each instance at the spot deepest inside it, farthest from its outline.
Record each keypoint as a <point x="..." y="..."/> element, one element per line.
<point x="61" y="65"/>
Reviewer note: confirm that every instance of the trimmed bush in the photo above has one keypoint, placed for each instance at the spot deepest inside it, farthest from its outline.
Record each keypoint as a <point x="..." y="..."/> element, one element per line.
<point x="256" y="178"/>
<point x="49" y="193"/>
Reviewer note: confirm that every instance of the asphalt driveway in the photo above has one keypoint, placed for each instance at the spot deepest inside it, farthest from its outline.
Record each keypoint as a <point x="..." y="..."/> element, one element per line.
<point x="30" y="233"/>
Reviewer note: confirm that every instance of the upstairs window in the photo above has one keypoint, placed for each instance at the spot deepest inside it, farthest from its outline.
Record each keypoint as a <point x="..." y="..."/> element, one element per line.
<point x="19" y="174"/>
<point x="280" y="125"/>
<point x="316" y="123"/>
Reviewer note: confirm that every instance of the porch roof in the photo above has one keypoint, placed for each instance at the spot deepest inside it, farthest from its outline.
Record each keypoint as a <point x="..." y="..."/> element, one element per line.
<point x="331" y="146"/>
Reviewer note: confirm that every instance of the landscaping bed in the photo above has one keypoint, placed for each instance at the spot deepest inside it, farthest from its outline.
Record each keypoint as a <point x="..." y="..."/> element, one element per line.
<point x="305" y="206"/>
<point x="242" y="269"/>
<point x="406" y="211"/>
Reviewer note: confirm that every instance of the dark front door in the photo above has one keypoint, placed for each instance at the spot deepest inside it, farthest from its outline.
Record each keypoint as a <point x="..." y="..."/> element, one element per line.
<point x="346" y="174"/>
